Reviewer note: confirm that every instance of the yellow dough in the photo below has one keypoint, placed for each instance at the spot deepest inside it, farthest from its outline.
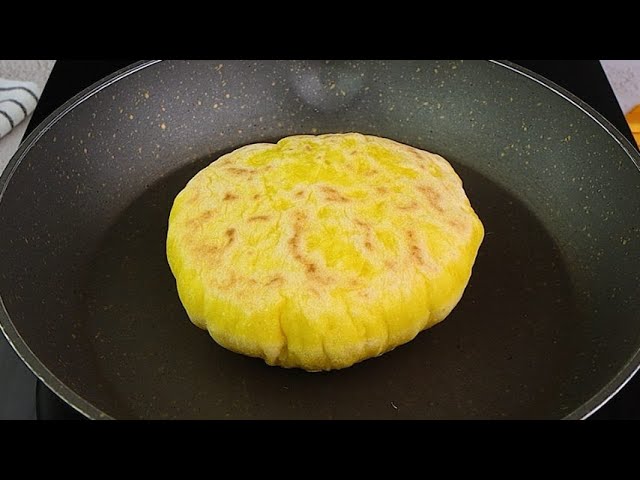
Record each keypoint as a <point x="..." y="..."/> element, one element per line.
<point x="321" y="251"/>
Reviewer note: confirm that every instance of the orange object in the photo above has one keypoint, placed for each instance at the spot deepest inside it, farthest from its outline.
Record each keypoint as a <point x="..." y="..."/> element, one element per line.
<point x="633" y="119"/>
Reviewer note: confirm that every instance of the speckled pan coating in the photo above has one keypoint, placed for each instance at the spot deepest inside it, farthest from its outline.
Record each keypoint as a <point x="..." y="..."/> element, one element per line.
<point x="548" y="327"/>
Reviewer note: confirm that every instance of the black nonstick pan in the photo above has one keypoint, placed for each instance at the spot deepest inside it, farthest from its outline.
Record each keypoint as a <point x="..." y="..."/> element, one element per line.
<point x="548" y="326"/>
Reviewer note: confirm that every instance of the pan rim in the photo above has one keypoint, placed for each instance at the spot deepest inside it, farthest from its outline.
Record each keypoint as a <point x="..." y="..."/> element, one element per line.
<point x="22" y="349"/>
<point x="631" y="368"/>
<point x="86" y="408"/>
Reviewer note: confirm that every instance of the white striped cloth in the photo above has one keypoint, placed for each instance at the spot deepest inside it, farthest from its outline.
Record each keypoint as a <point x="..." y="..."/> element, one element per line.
<point x="17" y="102"/>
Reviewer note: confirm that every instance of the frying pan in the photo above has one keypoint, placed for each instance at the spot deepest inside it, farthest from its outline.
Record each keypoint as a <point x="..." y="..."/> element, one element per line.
<point x="548" y="326"/>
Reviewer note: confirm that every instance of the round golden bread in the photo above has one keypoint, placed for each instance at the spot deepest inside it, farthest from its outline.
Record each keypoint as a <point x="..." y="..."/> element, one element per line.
<point x="321" y="251"/>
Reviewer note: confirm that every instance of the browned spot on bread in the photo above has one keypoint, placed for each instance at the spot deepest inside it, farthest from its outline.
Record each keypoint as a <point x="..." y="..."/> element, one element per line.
<point x="389" y="264"/>
<point x="359" y="222"/>
<point x="256" y="196"/>
<point x="415" y="153"/>
<point x="414" y="249"/>
<point x="457" y="225"/>
<point x="275" y="280"/>
<point x="412" y="206"/>
<point x="433" y="197"/>
<point x="198" y="220"/>
<point x="206" y="251"/>
<point x="381" y="190"/>
<point x="299" y="216"/>
<point x="333" y="195"/>
<point x="299" y="193"/>
<point x="416" y="253"/>
<point x="240" y="171"/>
<point x="229" y="282"/>
<point x="356" y="284"/>
<point x="230" y="196"/>
<point x="256" y="218"/>
<point x="311" y="268"/>
<point x="192" y="199"/>
<point x="367" y="229"/>
<point x="231" y="235"/>
<point x="294" y="241"/>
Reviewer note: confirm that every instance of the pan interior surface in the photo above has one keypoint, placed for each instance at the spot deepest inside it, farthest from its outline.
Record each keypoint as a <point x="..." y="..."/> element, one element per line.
<point x="545" y="324"/>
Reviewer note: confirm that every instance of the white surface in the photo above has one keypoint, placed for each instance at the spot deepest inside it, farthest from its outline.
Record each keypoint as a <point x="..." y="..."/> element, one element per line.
<point x="36" y="71"/>
<point x="18" y="99"/>
<point x="624" y="76"/>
